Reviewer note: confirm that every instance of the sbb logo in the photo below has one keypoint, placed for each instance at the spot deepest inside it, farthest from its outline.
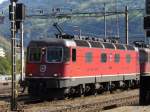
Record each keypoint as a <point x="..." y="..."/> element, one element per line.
<point x="42" y="68"/>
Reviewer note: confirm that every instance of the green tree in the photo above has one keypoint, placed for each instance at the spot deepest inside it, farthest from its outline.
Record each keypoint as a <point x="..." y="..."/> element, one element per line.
<point x="5" y="65"/>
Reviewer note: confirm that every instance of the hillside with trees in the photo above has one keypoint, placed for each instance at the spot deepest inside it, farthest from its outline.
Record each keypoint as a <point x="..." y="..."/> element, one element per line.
<point x="36" y="28"/>
<point x="5" y="62"/>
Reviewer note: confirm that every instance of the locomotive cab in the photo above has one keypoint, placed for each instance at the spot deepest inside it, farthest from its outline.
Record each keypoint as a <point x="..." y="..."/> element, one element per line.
<point x="47" y="61"/>
<point x="47" y="64"/>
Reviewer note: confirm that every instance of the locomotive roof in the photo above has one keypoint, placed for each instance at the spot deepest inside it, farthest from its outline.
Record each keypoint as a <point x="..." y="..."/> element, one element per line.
<point x="82" y="43"/>
<point x="53" y="41"/>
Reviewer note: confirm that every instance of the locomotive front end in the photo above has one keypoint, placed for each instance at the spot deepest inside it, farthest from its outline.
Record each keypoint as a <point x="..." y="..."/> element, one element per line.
<point x="45" y="67"/>
<point x="45" y="62"/>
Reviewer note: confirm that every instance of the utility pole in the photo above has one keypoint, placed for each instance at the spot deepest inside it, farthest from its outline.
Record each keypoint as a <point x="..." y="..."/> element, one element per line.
<point x="80" y="33"/>
<point x="126" y="25"/>
<point x="22" y="51"/>
<point x="13" y="54"/>
<point x="105" y="24"/>
<point x="117" y="20"/>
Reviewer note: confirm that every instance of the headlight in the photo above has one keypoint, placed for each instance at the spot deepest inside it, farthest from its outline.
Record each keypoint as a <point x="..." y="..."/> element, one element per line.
<point x="55" y="75"/>
<point x="30" y="75"/>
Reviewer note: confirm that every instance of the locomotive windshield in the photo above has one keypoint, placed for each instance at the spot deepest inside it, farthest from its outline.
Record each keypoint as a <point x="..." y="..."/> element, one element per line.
<point x="35" y="54"/>
<point x="54" y="54"/>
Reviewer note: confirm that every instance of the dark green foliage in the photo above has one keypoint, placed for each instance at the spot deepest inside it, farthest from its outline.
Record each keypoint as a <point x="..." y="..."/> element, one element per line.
<point x="5" y="66"/>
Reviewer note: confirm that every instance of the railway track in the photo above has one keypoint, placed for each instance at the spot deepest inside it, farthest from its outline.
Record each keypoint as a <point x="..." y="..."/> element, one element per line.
<point x="84" y="104"/>
<point x="95" y="107"/>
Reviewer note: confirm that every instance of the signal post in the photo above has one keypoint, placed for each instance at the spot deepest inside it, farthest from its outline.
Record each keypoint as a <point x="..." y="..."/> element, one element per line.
<point x="16" y="16"/>
<point x="145" y="78"/>
<point x="12" y="18"/>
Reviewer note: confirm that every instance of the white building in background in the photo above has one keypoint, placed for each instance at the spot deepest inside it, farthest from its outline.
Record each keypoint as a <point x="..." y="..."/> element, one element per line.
<point x="2" y="52"/>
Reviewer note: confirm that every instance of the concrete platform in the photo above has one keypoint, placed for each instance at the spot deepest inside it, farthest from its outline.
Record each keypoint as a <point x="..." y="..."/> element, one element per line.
<point x="130" y="109"/>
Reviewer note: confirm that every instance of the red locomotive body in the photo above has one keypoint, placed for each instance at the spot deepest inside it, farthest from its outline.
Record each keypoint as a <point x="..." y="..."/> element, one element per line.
<point x="65" y="66"/>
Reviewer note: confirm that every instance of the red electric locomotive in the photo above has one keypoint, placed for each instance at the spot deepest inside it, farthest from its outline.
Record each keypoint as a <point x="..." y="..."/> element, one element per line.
<point x="59" y="67"/>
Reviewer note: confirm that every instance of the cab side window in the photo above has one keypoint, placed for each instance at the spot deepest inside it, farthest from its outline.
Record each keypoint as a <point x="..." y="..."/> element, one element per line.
<point x="66" y="54"/>
<point x="73" y="55"/>
<point x="103" y="57"/>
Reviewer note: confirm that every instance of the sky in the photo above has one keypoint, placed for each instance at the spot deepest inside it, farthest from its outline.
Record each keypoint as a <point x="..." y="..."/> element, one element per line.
<point x="2" y="1"/>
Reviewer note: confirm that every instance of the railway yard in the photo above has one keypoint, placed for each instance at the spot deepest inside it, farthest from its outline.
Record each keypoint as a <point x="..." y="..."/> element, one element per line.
<point x="94" y="103"/>
<point x="76" y="73"/>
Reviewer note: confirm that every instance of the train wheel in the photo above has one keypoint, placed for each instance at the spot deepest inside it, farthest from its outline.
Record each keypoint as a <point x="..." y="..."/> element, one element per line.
<point x="32" y="91"/>
<point x="90" y="89"/>
<point x="80" y="90"/>
<point x="109" y="87"/>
